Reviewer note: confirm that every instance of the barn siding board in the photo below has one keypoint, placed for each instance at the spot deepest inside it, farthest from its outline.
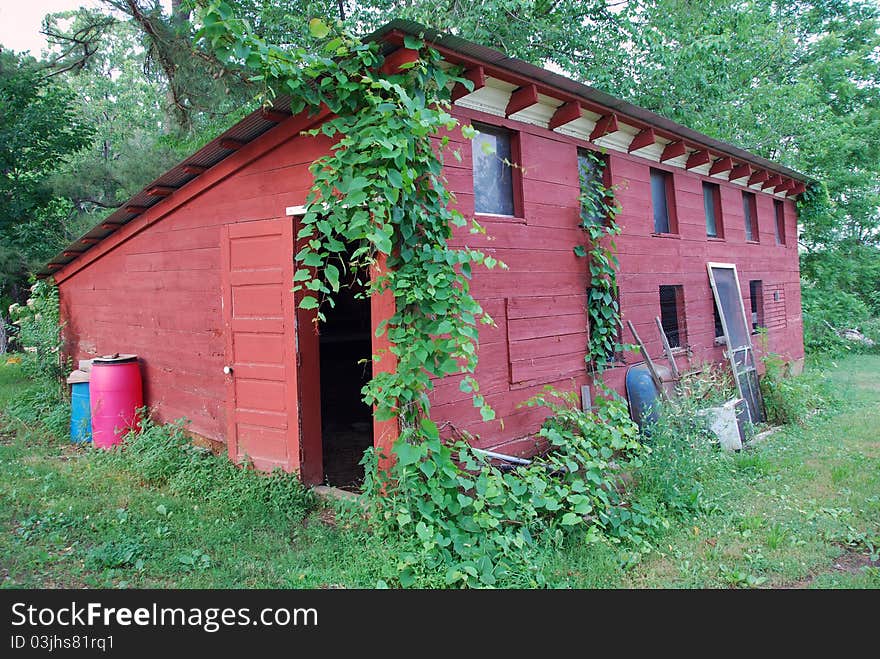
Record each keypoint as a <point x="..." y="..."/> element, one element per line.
<point x="157" y="293"/>
<point x="153" y="287"/>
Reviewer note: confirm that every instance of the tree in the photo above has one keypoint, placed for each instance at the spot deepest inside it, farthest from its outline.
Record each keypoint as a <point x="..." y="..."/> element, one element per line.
<point x="39" y="129"/>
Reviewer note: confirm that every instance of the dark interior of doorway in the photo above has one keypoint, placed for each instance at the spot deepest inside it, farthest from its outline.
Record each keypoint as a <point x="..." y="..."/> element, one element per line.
<point x="346" y="422"/>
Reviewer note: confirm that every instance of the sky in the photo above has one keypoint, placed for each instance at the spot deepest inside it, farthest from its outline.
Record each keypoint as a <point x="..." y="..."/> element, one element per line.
<point x="20" y="21"/>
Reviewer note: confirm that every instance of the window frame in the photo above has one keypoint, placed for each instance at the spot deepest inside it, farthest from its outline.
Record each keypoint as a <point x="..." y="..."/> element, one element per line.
<point x="756" y="305"/>
<point x="606" y="172"/>
<point x="680" y="316"/>
<point x="750" y="216"/>
<point x="515" y="172"/>
<point x="718" y="214"/>
<point x="718" y="325"/>
<point x="779" y="221"/>
<point x="671" y="211"/>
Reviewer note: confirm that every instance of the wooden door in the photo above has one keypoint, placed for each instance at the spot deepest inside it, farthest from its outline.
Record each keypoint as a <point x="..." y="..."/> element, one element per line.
<point x="259" y="323"/>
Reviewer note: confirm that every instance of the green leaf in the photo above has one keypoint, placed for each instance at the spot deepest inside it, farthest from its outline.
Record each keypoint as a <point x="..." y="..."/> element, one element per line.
<point x="412" y="42"/>
<point x="406" y="576"/>
<point x="428" y="468"/>
<point x="318" y="29"/>
<point x="423" y="531"/>
<point x="308" y="302"/>
<point x="429" y="428"/>
<point x="407" y="453"/>
<point x="395" y="178"/>
<point x="331" y="272"/>
<point x="570" y="519"/>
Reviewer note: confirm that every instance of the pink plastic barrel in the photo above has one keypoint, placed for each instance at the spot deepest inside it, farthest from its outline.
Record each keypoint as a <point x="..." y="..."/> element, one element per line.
<point x="116" y="395"/>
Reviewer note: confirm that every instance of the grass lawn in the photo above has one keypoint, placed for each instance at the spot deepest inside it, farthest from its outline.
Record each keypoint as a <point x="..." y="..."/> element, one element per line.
<point x="801" y="509"/>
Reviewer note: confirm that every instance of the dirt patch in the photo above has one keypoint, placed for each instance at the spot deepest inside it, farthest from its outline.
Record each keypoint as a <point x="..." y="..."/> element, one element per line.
<point x="850" y="562"/>
<point x="853" y="562"/>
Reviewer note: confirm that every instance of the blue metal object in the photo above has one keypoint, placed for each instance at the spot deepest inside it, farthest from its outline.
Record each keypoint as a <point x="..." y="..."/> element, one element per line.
<point x="80" y="413"/>
<point x="643" y="396"/>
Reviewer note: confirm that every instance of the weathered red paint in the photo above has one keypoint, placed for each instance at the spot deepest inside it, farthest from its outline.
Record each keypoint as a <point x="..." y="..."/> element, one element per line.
<point x="606" y="124"/>
<point x="260" y="356"/>
<point x="673" y="150"/>
<point x="566" y="113"/>
<point x="521" y="99"/>
<point x="697" y="158"/>
<point x="170" y="284"/>
<point x="382" y="307"/>
<point x="645" y="138"/>
<point x="476" y="75"/>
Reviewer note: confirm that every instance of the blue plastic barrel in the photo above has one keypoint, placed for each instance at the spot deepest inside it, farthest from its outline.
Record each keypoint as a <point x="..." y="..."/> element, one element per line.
<point x="80" y="413"/>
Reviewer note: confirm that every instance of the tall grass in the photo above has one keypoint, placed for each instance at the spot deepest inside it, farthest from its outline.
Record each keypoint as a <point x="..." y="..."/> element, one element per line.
<point x="163" y="455"/>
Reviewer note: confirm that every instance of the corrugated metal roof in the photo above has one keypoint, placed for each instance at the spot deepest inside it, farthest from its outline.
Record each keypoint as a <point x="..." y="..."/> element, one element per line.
<point x="255" y="125"/>
<point x="246" y="130"/>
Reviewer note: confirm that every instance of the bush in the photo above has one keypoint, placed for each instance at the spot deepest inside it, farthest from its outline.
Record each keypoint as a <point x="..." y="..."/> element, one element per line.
<point x="470" y="522"/>
<point x="163" y="455"/>
<point x="826" y="309"/>
<point x="684" y="458"/>
<point x="39" y="337"/>
<point x="42" y="403"/>
<point x="792" y="399"/>
<point x="39" y="332"/>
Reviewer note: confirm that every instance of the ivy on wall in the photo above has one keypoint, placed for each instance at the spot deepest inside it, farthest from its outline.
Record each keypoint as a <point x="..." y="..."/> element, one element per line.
<point x="598" y="210"/>
<point x="380" y="194"/>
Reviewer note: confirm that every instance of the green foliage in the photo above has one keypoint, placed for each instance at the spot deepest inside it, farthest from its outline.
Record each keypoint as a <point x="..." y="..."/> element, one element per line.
<point x="827" y="309"/>
<point x="39" y="332"/>
<point x="683" y="462"/>
<point x="42" y="404"/>
<point x="163" y="455"/>
<point x="39" y="130"/>
<point x="116" y="554"/>
<point x="804" y="501"/>
<point x="479" y="524"/>
<point x="380" y="194"/>
<point x="710" y="383"/>
<point x="792" y="399"/>
<point x="603" y="308"/>
<point x="133" y="140"/>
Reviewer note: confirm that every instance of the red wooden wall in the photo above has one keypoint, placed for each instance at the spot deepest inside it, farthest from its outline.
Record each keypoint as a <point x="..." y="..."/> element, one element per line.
<point x="539" y="303"/>
<point x="154" y="288"/>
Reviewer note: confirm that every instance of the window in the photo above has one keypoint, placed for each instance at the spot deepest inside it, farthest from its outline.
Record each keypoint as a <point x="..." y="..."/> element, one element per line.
<point x="750" y="211"/>
<point x="493" y="175"/>
<point x="672" y="315"/>
<point x="719" y="327"/>
<point x="712" y="208"/>
<point x="756" y="293"/>
<point x="780" y="221"/>
<point x="592" y="168"/>
<point x="663" y="201"/>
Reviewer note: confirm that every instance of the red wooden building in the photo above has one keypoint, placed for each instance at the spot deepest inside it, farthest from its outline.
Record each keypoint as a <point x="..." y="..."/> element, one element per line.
<point x="194" y="273"/>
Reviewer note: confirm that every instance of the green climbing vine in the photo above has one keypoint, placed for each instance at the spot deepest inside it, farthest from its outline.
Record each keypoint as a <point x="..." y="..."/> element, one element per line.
<point x="598" y="209"/>
<point x="380" y="194"/>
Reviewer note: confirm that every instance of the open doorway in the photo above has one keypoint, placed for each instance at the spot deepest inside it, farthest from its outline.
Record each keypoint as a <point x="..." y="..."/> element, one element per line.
<point x="346" y="366"/>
